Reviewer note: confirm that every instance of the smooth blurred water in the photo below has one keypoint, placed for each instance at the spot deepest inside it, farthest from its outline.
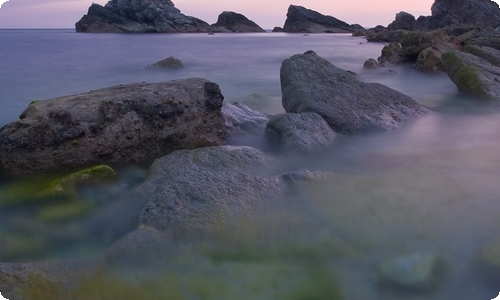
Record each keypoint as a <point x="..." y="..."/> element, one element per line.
<point x="431" y="185"/>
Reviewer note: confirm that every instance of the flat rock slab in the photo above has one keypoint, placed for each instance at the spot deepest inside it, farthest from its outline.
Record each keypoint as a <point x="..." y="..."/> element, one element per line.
<point x="309" y="83"/>
<point x="130" y="123"/>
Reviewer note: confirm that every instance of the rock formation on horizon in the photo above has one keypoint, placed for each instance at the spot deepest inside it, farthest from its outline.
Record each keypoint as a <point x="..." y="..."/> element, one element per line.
<point x="303" y="20"/>
<point x="485" y="13"/>
<point x="229" y="21"/>
<point x="139" y="16"/>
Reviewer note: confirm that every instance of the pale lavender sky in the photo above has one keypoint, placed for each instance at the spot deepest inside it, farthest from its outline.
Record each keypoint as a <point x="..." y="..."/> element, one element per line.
<point x="266" y="13"/>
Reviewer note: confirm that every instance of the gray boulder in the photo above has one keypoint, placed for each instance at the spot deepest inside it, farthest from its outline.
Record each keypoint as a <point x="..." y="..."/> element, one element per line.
<point x="305" y="132"/>
<point x="310" y="83"/>
<point x="235" y="22"/>
<point x="302" y="20"/>
<point x="139" y="16"/>
<point x="392" y="54"/>
<point x="130" y="123"/>
<point x="472" y="74"/>
<point x="168" y="63"/>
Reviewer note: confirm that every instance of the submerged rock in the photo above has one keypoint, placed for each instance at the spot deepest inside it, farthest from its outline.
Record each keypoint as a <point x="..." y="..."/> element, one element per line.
<point x="235" y="22"/>
<point x="418" y="272"/>
<point x="132" y="16"/>
<point x="473" y="75"/>
<point x="302" y="20"/>
<point x="168" y="63"/>
<point x="305" y="132"/>
<point x="242" y="121"/>
<point x="129" y="123"/>
<point x="310" y="83"/>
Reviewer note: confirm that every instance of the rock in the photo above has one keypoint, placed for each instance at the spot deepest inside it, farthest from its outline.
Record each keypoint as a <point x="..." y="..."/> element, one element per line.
<point x="51" y="188"/>
<point x="130" y="123"/>
<point x="305" y="132"/>
<point x="404" y="21"/>
<point x="235" y="22"/>
<point x="489" y="54"/>
<point x="302" y="20"/>
<point x="382" y="34"/>
<point x="473" y="75"/>
<point x="487" y="39"/>
<point x="197" y="189"/>
<point x="30" y="280"/>
<point x="484" y="13"/>
<point x="310" y="83"/>
<point x="392" y="54"/>
<point x="242" y="121"/>
<point x="413" y="42"/>
<point x="168" y="63"/>
<point x="489" y="262"/>
<point x="371" y="64"/>
<point x="418" y="272"/>
<point x="429" y="59"/>
<point x="278" y="29"/>
<point x="139" y="16"/>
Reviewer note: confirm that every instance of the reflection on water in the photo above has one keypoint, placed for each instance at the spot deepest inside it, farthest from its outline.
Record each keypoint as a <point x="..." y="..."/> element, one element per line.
<point x="430" y="186"/>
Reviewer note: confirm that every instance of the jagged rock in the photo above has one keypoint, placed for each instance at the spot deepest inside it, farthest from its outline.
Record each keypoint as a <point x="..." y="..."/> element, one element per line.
<point x="129" y="123"/>
<point x="138" y="16"/>
<point x="278" y="29"/>
<point x="413" y="42"/>
<point x="382" y="34"/>
<point x="473" y="75"/>
<point x="168" y="63"/>
<point x="310" y="83"/>
<point x="418" y="272"/>
<point x="305" y="132"/>
<point x="484" y="13"/>
<point x="404" y="21"/>
<point x="302" y="20"/>
<point x="235" y="22"/>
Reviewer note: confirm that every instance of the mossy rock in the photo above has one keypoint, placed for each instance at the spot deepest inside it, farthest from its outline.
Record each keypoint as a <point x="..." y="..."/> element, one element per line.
<point x="59" y="212"/>
<point x="53" y="188"/>
<point x="489" y="54"/>
<point x="429" y="61"/>
<point x="466" y="77"/>
<point x="19" y="246"/>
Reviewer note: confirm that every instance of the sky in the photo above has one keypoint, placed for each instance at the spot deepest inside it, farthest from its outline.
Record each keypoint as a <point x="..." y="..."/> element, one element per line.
<point x="266" y="13"/>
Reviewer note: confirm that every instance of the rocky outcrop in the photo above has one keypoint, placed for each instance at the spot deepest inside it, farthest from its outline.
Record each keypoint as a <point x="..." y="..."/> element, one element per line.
<point x="403" y="21"/>
<point x="129" y="123"/>
<point x="483" y="13"/>
<point x="170" y="62"/>
<point x="472" y="74"/>
<point x="302" y="20"/>
<point x="229" y="21"/>
<point x="139" y="16"/>
<point x="310" y="83"/>
<point x="305" y="132"/>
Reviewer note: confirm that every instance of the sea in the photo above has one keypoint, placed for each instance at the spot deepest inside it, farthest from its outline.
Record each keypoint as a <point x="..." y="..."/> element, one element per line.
<point x="431" y="186"/>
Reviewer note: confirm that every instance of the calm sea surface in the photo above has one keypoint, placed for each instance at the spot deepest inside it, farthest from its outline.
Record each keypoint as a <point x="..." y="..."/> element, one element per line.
<point x="430" y="186"/>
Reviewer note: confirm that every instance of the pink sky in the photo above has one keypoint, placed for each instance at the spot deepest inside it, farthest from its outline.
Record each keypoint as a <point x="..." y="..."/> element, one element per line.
<point x="266" y="13"/>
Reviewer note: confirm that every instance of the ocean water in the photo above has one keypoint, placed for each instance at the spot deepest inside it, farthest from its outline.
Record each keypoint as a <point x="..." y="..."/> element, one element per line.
<point x="430" y="186"/>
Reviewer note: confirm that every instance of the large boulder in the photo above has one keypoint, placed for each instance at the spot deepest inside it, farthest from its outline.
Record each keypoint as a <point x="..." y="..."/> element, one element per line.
<point x="305" y="132"/>
<point x="129" y="123"/>
<point x="139" y="16"/>
<point x="235" y="22"/>
<point x="303" y="20"/>
<point x="485" y="13"/>
<point x="472" y="74"/>
<point x="309" y="83"/>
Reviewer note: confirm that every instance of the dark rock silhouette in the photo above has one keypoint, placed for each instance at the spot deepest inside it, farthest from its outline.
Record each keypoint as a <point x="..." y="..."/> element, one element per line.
<point x="300" y="19"/>
<point x="235" y="22"/>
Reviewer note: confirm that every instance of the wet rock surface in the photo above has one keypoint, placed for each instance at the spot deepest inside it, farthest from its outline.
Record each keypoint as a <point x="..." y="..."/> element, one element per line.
<point x="129" y="123"/>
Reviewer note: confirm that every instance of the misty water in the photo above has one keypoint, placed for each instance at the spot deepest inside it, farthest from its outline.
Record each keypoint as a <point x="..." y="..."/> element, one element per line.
<point x="430" y="186"/>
